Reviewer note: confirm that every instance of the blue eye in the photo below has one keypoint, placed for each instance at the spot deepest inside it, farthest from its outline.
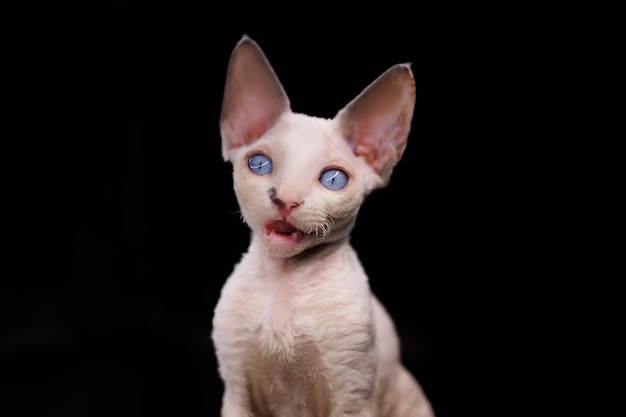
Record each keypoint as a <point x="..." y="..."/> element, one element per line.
<point x="260" y="164"/>
<point x="334" y="179"/>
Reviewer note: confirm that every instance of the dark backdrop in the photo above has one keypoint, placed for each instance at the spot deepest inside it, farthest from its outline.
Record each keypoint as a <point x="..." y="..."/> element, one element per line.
<point x="126" y="217"/>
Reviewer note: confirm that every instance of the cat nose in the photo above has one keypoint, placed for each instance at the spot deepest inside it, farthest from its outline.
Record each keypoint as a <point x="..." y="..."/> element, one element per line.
<point x="283" y="208"/>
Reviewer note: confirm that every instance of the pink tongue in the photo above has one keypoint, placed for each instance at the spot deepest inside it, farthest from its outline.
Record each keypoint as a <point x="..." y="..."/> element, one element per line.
<point x="280" y="227"/>
<point x="284" y="230"/>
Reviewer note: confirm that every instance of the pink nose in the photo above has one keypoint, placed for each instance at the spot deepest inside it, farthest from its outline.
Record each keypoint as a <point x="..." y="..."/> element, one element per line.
<point x="285" y="209"/>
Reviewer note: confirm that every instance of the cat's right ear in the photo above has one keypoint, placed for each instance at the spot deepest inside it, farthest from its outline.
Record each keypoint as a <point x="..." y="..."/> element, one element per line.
<point x="253" y="99"/>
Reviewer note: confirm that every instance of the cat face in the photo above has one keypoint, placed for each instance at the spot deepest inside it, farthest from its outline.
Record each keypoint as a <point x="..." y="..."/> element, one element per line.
<point x="300" y="180"/>
<point x="300" y="184"/>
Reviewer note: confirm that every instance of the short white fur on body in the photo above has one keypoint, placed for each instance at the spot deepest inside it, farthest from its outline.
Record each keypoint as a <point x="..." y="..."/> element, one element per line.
<point x="297" y="331"/>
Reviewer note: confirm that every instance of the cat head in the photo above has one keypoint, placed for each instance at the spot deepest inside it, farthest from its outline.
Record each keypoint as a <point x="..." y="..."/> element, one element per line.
<point x="300" y="180"/>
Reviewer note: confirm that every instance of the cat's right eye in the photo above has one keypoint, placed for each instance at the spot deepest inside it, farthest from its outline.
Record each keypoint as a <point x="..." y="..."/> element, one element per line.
<point x="260" y="164"/>
<point x="334" y="179"/>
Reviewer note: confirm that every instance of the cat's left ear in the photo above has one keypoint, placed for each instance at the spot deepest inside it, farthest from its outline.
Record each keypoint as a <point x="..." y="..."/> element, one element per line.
<point x="253" y="99"/>
<point x="377" y="122"/>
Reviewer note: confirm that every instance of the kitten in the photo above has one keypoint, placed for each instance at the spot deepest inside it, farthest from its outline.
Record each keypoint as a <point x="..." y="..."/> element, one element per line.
<point x="297" y="331"/>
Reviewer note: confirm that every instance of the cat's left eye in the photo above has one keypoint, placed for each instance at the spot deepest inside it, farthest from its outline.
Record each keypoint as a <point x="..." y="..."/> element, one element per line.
<point x="260" y="164"/>
<point x="334" y="179"/>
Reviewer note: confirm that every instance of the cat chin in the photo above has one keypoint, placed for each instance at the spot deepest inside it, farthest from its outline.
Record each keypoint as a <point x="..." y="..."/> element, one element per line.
<point x="284" y="247"/>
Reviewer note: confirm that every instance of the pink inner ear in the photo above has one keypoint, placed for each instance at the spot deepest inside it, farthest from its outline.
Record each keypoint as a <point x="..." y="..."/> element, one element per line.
<point x="247" y="122"/>
<point x="381" y="142"/>
<point x="368" y="152"/>
<point x="253" y="97"/>
<point x="377" y="121"/>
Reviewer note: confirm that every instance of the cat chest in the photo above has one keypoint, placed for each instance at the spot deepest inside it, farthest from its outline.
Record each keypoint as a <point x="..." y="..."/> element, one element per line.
<point x="287" y="324"/>
<point x="283" y="315"/>
<point x="286" y="328"/>
<point x="287" y="357"/>
<point x="292" y="342"/>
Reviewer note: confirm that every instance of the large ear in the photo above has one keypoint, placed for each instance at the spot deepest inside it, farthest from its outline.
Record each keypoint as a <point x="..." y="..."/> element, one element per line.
<point x="253" y="99"/>
<point x="377" y="122"/>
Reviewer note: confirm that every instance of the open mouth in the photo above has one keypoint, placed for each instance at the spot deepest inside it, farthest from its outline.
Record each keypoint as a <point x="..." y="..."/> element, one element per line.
<point x="285" y="230"/>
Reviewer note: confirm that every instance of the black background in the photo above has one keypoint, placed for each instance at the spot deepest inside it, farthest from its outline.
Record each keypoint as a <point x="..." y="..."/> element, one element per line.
<point x="126" y="217"/>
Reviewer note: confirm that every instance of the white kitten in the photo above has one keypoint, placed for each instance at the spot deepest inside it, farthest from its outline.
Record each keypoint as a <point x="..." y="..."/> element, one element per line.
<point x="297" y="331"/>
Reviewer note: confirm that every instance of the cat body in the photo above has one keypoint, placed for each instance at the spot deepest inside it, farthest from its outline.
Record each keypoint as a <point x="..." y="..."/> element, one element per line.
<point x="297" y="331"/>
